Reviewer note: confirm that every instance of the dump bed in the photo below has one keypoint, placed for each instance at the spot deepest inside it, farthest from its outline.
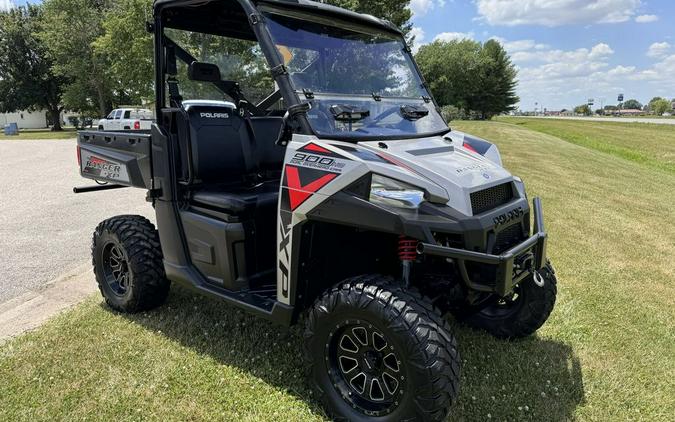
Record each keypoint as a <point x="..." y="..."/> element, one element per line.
<point x="121" y="158"/>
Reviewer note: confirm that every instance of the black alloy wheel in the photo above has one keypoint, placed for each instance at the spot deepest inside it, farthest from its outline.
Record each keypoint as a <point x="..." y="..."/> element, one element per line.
<point x="115" y="269"/>
<point x="365" y="369"/>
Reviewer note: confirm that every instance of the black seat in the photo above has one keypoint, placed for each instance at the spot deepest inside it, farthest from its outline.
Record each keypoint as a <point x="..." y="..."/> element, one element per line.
<point x="239" y="201"/>
<point x="226" y="154"/>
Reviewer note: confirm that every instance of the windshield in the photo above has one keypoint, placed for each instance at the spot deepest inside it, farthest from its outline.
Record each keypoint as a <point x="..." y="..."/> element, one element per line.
<point x="359" y="81"/>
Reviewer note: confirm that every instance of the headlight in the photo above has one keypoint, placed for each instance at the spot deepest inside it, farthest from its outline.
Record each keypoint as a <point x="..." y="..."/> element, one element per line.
<point x="390" y="192"/>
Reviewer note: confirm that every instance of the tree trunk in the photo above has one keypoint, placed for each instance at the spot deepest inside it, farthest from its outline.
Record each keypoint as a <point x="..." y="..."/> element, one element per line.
<point x="55" y="114"/>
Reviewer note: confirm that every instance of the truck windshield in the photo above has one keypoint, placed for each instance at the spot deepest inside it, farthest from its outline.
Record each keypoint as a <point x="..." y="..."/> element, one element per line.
<point x="359" y="81"/>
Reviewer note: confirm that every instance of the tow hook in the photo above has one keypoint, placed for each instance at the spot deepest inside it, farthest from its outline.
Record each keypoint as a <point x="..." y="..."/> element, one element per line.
<point x="538" y="279"/>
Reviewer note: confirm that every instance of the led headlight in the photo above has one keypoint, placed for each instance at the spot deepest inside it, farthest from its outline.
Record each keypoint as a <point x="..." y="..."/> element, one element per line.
<point x="390" y="192"/>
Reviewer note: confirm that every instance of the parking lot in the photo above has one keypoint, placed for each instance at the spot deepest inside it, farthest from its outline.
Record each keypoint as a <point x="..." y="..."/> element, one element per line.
<point x="45" y="229"/>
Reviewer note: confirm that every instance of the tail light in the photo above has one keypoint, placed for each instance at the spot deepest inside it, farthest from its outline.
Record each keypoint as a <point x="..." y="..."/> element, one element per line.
<point x="137" y="125"/>
<point x="79" y="157"/>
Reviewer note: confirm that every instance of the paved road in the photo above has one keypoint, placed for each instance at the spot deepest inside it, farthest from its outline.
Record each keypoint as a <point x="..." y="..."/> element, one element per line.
<point x="614" y="119"/>
<point x="45" y="229"/>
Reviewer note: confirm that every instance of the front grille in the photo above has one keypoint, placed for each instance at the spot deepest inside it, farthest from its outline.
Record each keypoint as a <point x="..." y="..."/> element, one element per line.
<point x="490" y="198"/>
<point x="507" y="238"/>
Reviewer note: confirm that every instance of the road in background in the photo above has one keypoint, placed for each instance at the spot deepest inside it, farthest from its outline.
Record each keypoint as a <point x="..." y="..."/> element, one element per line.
<point x="609" y="119"/>
<point x="46" y="229"/>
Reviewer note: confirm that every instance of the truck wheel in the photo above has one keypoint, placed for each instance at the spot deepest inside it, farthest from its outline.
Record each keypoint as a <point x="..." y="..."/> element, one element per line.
<point x="127" y="259"/>
<point x="523" y="313"/>
<point x="377" y="350"/>
<point x="100" y="128"/>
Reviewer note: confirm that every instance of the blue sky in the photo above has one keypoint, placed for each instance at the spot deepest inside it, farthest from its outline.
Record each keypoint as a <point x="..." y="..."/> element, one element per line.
<point x="566" y="51"/>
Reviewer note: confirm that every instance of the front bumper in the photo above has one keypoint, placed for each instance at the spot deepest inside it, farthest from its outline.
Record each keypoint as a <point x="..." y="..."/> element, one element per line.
<point x="512" y="266"/>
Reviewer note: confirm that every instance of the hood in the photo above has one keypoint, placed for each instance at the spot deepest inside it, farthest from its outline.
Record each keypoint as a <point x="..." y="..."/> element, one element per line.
<point x="458" y="170"/>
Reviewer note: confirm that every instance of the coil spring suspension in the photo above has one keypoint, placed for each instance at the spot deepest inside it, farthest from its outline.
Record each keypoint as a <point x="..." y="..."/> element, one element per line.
<point x="407" y="253"/>
<point x="407" y="248"/>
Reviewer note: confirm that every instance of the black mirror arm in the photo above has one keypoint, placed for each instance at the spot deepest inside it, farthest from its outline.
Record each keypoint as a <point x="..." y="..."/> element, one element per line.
<point x="290" y="123"/>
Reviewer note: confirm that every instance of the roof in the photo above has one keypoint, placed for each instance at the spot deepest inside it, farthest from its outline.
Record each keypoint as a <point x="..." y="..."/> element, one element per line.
<point x="191" y="6"/>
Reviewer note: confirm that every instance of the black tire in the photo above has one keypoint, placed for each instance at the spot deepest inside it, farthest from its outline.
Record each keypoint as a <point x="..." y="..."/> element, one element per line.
<point x="127" y="259"/>
<point x="522" y="316"/>
<point x="100" y="128"/>
<point x="423" y="382"/>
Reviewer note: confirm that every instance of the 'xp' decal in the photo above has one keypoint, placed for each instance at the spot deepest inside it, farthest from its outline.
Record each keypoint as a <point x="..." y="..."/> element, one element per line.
<point x="302" y="183"/>
<point x="106" y="169"/>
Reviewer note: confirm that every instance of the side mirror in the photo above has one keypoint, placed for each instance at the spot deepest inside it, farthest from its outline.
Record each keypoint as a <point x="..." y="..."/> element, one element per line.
<point x="203" y="72"/>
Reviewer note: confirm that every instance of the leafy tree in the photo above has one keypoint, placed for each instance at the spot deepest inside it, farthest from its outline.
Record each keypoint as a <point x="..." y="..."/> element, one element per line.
<point x="26" y="78"/>
<point x="660" y="106"/>
<point x="497" y="93"/>
<point x="584" y="109"/>
<point x="470" y="76"/>
<point x="129" y="47"/>
<point x="632" y="105"/>
<point x="396" y="11"/>
<point x="70" y="29"/>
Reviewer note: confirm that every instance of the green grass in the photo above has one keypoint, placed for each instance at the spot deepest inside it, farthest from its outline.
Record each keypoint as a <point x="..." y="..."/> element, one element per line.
<point x="649" y="144"/>
<point x="606" y="354"/>
<point x="66" y="133"/>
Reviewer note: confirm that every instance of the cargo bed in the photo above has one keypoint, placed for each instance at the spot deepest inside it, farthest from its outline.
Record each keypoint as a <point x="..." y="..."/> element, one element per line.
<point x="122" y="158"/>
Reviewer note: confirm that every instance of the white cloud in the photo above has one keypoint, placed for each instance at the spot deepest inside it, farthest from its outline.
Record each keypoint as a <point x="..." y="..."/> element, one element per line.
<point x="600" y="50"/>
<point x="556" y="12"/>
<point x="451" y="36"/>
<point x="420" y="36"/>
<point x="658" y="49"/>
<point x="646" y="18"/>
<point x="6" y="5"/>
<point x="564" y="78"/>
<point x="422" y="7"/>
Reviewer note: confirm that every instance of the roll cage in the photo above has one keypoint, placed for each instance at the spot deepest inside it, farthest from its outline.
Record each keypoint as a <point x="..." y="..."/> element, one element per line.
<point x="240" y="19"/>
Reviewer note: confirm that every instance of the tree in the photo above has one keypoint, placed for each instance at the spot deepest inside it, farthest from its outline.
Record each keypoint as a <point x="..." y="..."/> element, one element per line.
<point x="70" y="29"/>
<point x="632" y="105"/>
<point x="451" y="69"/>
<point x="396" y="11"/>
<point x="660" y="106"/>
<point x="470" y="76"/>
<point x="497" y="93"/>
<point x="26" y="78"/>
<point x="129" y="47"/>
<point x="584" y="109"/>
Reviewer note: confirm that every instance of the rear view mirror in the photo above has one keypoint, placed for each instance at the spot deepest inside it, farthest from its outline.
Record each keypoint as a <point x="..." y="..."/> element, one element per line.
<point x="203" y="72"/>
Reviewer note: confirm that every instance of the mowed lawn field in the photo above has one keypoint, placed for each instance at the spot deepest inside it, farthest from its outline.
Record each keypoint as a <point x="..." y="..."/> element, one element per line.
<point x="606" y="354"/>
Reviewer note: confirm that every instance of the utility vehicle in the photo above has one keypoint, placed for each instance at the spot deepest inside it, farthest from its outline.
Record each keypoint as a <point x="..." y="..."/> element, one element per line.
<point x="300" y="169"/>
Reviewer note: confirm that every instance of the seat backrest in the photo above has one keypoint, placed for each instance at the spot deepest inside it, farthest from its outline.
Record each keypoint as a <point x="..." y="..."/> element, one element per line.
<point x="219" y="143"/>
<point x="269" y="155"/>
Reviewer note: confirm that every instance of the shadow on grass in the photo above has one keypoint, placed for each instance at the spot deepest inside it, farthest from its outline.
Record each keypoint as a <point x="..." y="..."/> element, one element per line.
<point x="541" y="377"/>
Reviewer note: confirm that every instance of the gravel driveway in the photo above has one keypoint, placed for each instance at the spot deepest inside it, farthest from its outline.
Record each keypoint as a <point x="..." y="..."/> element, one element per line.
<point x="45" y="229"/>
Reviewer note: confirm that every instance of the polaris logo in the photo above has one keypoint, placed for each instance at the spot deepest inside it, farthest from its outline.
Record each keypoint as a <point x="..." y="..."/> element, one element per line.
<point x="215" y="116"/>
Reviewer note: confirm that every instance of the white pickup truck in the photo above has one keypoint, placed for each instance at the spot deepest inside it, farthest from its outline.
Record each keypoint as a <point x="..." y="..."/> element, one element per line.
<point x="127" y="119"/>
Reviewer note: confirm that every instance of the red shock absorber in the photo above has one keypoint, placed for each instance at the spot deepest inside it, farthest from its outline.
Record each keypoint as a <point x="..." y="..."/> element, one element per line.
<point x="407" y="253"/>
<point x="407" y="249"/>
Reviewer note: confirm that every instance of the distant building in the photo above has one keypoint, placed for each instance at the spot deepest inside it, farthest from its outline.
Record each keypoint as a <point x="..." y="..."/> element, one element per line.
<point x="30" y="119"/>
<point x="629" y="112"/>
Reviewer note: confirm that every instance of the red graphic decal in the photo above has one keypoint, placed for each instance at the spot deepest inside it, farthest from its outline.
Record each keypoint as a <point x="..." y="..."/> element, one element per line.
<point x="316" y="148"/>
<point x="392" y="160"/>
<point x="96" y="161"/>
<point x="297" y="193"/>
<point x="469" y="147"/>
